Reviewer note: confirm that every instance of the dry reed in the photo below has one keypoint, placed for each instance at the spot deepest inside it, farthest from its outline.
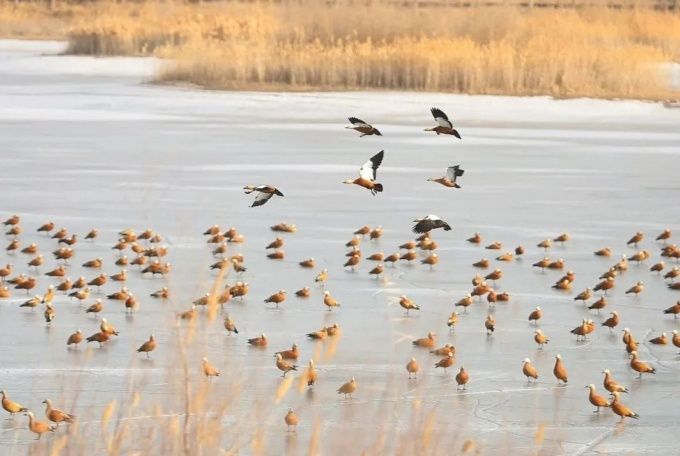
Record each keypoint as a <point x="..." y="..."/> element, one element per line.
<point x="302" y="46"/>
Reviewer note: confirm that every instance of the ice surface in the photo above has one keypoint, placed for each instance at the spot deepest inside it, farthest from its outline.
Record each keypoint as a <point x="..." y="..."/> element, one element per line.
<point x="87" y="143"/>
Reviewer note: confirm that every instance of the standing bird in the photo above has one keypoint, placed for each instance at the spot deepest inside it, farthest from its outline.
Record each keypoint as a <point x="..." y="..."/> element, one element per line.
<point x="664" y="236"/>
<point x="430" y="260"/>
<point x="348" y="388"/>
<point x="445" y="362"/>
<point x="10" y="406"/>
<point x="362" y="127"/>
<point x="612" y="385"/>
<point x="676" y="338"/>
<point x="329" y="301"/>
<point x="49" y="314"/>
<point x="407" y="304"/>
<point x="208" y="369"/>
<point x="412" y="367"/>
<point x="449" y="180"/>
<point x="452" y="321"/>
<point x="673" y="310"/>
<point x="277" y="298"/>
<point x="96" y="307"/>
<point x="462" y="378"/>
<point x="536" y="315"/>
<point x="620" y="409"/>
<point x="559" y="371"/>
<point x="55" y="415"/>
<point x="310" y="373"/>
<point x="529" y="370"/>
<point x="636" y="289"/>
<point x="46" y="228"/>
<point x="230" y="326"/>
<point x="38" y="427"/>
<point x="490" y="324"/>
<point x="637" y="237"/>
<point x="612" y="322"/>
<point x="264" y="193"/>
<point x="639" y="366"/>
<point x="75" y="338"/>
<point x="322" y="277"/>
<point x="291" y="419"/>
<point x="596" y="399"/>
<point x="148" y="346"/>
<point x="540" y="338"/>
<point x="444" y="125"/>
<point x="599" y="304"/>
<point x="368" y="173"/>
<point x="429" y="223"/>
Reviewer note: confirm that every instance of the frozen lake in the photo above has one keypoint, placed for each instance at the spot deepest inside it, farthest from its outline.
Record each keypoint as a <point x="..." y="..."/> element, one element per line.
<point x="87" y="143"/>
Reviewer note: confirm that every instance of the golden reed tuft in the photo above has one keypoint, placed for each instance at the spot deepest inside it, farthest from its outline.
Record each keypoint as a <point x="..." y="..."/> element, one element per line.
<point x="306" y="45"/>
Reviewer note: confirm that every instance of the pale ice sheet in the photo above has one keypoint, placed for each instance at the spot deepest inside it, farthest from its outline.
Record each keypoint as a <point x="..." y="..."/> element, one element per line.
<point x="86" y="142"/>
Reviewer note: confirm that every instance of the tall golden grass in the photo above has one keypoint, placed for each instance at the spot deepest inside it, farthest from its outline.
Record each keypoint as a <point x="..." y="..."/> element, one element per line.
<point x="308" y="45"/>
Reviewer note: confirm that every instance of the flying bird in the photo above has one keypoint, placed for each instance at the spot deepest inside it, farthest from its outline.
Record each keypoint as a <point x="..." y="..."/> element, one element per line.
<point x="368" y="173"/>
<point x="449" y="180"/>
<point x="429" y="223"/>
<point x="264" y="193"/>
<point x="362" y="127"/>
<point x="444" y="125"/>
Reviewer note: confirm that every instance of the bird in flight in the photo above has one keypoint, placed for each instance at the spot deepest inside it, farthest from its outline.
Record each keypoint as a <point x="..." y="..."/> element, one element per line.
<point x="362" y="127"/>
<point x="264" y="193"/>
<point x="449" y="180"/>
<point x="444" y="125"/>
<point x="429" y="223"/>
<point x="368" y="173"/>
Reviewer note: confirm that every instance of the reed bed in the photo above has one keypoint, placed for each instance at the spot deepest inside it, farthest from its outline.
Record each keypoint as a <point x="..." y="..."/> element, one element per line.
<point x="594" y="52"/>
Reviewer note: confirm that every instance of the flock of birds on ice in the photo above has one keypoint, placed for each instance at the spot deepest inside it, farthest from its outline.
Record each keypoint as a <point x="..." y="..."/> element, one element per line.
<point x="148" y="252"/>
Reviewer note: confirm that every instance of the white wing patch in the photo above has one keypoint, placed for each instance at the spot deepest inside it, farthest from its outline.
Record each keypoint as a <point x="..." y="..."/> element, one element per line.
<point x="443" y="122"/>
<point x="366" y="171"/>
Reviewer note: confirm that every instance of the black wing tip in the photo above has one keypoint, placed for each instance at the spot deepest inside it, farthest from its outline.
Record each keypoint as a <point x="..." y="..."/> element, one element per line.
<point x="377" y="159"/>
<point x="447" y="227"/>
<point x="436" y="112"/>
<point x="278" y="192"/>
<point x="377" y="132"/>
<point x="355" y="120"/>
<point x="456" y="134"/>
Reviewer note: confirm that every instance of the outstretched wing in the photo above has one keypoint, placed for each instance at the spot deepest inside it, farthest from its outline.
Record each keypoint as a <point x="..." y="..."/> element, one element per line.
<point x="452" y="172"/>
<point x="423" y="226"/>
<point x="261" y="199"/>
<point x="441" y="118"/>
<point x="358" y="122"/>
<point x="369" y="170"/>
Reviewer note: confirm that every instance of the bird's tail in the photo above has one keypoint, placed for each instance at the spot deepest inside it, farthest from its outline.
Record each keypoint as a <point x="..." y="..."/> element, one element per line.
<point x="235" y="331"/>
